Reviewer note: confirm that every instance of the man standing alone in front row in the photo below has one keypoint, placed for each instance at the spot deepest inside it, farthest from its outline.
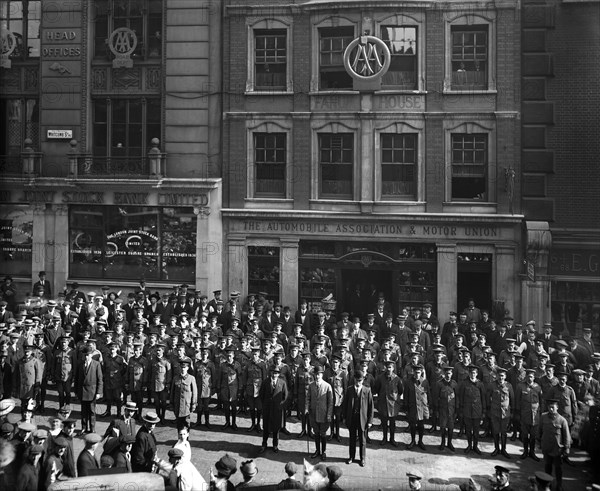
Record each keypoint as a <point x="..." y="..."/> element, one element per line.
<point x="357" y="410"/>
<point x="319" y="406"/>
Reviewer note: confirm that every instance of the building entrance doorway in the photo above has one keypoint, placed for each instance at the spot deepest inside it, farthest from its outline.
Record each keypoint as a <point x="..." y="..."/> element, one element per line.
<point x="361" y="289"/>
<point x="475" y="285"/>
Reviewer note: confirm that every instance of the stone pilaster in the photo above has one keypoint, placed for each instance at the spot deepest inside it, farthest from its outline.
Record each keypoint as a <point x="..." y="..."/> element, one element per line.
<point x="289" y="266"/>
<point x="447" y="274"/>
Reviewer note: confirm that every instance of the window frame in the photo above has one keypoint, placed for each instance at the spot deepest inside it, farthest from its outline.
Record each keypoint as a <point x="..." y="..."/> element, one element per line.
<point x="414" y="127"/>
<point x="328" y="22"/>
<point x="254" y="24"/>
<point x="455" y="21"/>
<point x="316" y="184"/>
<point x="25" y="24"/>
<point x="145" y="139"/>
<point x="27" y="128"/>
<point x="414" y="20"/>
<point x="106" y="11"/>
<point x="470" y="128"/>
<point x="253" y="128"/>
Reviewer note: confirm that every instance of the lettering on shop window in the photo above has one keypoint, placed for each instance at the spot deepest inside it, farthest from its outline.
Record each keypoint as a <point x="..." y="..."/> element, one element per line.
<point x="182" y="199"/>
<point x="75" y="197"/>
<point x="37" y="196"/>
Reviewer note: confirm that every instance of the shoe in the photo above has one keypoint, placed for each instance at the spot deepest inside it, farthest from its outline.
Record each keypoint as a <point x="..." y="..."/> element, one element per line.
<point x="411" y="445"/>
<point x="451" y="447"/>
<point x="349" y="461"/>
<point x="362" y="463"/>
<point x="262" y="450"/>
<point x="198" y="424"/>
<point x="432" y="429"/>
<point x="258" y="429"/>
<point x="311" y="435"/>
<point x="234" y="427"/>
<point x="301" y="434"/>
<point x="285" y="431"/>
<point x="105" y="414"/>
<point x="315" y="455"/>
<point x="422" y="446"/>
<point x="534" y="457"/>
<point x="329" y="438"/>
<point x="338" y="438"/>
<point x="276" y="449"/>
<point x="208" y="426"/>
<point x="383" y="442"/>
<point x="476" y="450"/>
<point x="226" y="425"/>
<point x="323" y="457"/>
<point x="252" y="428"/>
<point x="394" y="443"/>
<point x="468" y="449"/>
<point x="368" y="440"/>
<point x="513" y="437"/>
<point x="495" y="452"/>
<point x="568" y="461"/>
<point x="441" y="447"/>
<point x="505" y="454"/>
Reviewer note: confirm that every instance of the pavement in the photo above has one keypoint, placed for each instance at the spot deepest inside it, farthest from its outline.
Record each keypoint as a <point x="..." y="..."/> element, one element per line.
<point x="385" y="468"/>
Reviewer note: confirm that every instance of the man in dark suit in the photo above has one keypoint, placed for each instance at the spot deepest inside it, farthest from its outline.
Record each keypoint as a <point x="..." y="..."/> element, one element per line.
<point x="44" y="285"/>
<point x="86" y="461"/>
<point x="89" y="384"/>
<point x="548" y="339"/>
<point x="274" y="396"/>
<point x="304" y="317"/>
<point x="357" y="410"/>
<point x="144" y="448"/>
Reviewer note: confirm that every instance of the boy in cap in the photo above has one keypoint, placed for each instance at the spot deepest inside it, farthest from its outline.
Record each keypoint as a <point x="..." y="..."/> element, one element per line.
<point x="183" y="476"/>
<point x="226" y="467"/>
<point x="290" y="482"/>
<point x="86" y="461"/>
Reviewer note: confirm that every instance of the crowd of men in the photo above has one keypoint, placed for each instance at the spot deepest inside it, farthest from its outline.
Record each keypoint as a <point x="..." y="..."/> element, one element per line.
<point x="470" y="376"/>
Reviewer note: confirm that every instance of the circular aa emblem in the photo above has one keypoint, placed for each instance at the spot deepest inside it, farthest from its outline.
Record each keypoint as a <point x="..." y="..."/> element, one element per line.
<point x="122" y="41"/>
<point x="9" y="42"/>
<point x="367" y="58"/>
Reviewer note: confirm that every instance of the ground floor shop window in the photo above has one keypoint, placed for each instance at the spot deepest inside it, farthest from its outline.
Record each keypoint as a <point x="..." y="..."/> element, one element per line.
<point x="263" y="271"/>
<point x="16" y="238"/>
<point x="132" y="242"/>
<point x="575" y="305"/>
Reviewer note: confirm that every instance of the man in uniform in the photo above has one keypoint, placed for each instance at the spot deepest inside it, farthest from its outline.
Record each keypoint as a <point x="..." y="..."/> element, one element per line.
<point x="319" y="406"/>
<point x="417" y="398"/>
<point x="206" y="379"/>
<point x="160" y="380"/>
<point x="337" y="377"/>
<point x="253" y="375"/>
<point x="358" y="413"/>
<point x="502" y="479"/>
<point x="63" y="368"/>
<point x="555" y="439"/>
<point x="274" y="396"/>
<point x="500" y="403"/>
<point x="137" y="376"/>
<point x="115" y="372"/>
<point x="471" y="403"/>
<point x="184" y="394"/>
<point x="89" y="384"/>
<point x="388" y="386"/>
<point x="528" y="403"/>
<point x="27" y="376"/>
<point x="230" y="374"/>
<point x="445" y="402"/>
<point x="304" y="377"/>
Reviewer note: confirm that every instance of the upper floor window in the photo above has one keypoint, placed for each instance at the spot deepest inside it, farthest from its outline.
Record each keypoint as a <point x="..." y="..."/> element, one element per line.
<point x="469" y="166"/>
<point x="143" y="17"/>
<point x="23" y="20"/>
<point x="270" y="59"/>
<point x="336" y="165"/>
<point x="332" y="44"/>
<point x="398" y="166"/>
<point x="469" y="58"/>
<point x="21" y="121"/>
<point x="125" y="127"/>
<point x="402" y="42"/>
<point x="270" y="157"/>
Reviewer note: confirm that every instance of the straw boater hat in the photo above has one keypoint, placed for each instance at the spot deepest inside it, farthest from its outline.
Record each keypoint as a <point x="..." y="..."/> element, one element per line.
<point x="6" y="406"/>
<point x="152" y="418"/>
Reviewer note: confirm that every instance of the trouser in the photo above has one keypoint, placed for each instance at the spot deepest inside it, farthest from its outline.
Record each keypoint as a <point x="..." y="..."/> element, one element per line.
<point x="267" y="431"/>
<point x="182" y="421"/>
<point x="320" y="430"/>
<point x="230" y="408"/>
<point x="64" y="392"/>
<point x="472" y="429"/>
<point x="88" y="415"/>
<point x="360" y="434"/>
<point x="528" y="436"/>
<point x="388" y="422"/>
<point x="416" y="427"/>
<point x="335" y="421"/>
<point x="255" y="409"/>
<point x="42" y="394"/>
<point x="556" y="462"/>
<point x="160" y="402"/>
<point x="113" y="396"/>
<point x="137" y="396"/>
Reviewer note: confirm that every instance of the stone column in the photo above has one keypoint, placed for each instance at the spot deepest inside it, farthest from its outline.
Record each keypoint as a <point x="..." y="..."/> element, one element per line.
<point x="61" y="248"/>
<point x="366" y="173"/>
<point x="236" y="262"/>
<point x="209" y="242"/>
<point x="289" y="271"/>
<point x="506" y="278"/>
<point x="38" y="242"/>
<point x="535" y="295"/>
<point x="447" y="278"/>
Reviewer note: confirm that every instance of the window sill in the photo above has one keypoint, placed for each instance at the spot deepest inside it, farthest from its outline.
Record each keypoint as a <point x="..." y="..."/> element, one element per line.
<point x="470" y="91"/>
<point x="336" y="201"/>
<point x="401" y="91"/>
<point x="268" y="200"/>
<point x="334" y="92"/>
<point x="268" y="92"/>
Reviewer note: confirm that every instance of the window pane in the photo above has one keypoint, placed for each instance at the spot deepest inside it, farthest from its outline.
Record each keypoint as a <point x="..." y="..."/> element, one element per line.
<point x="333" y="41"/>
<point x="270" y="163"/>
<point x="16" y="238"/>
<point x="270" y="57"/>
<point x="398" y="171"/>
<point x="178" y="244"/>
<point x="337" y="164"/>
<point x="402" y="42"/>
<point x="469" y="57"/>
<point x="469" y="166"/>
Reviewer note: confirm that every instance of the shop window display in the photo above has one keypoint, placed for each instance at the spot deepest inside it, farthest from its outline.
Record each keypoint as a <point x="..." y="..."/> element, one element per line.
<point x="16" y="238"/>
